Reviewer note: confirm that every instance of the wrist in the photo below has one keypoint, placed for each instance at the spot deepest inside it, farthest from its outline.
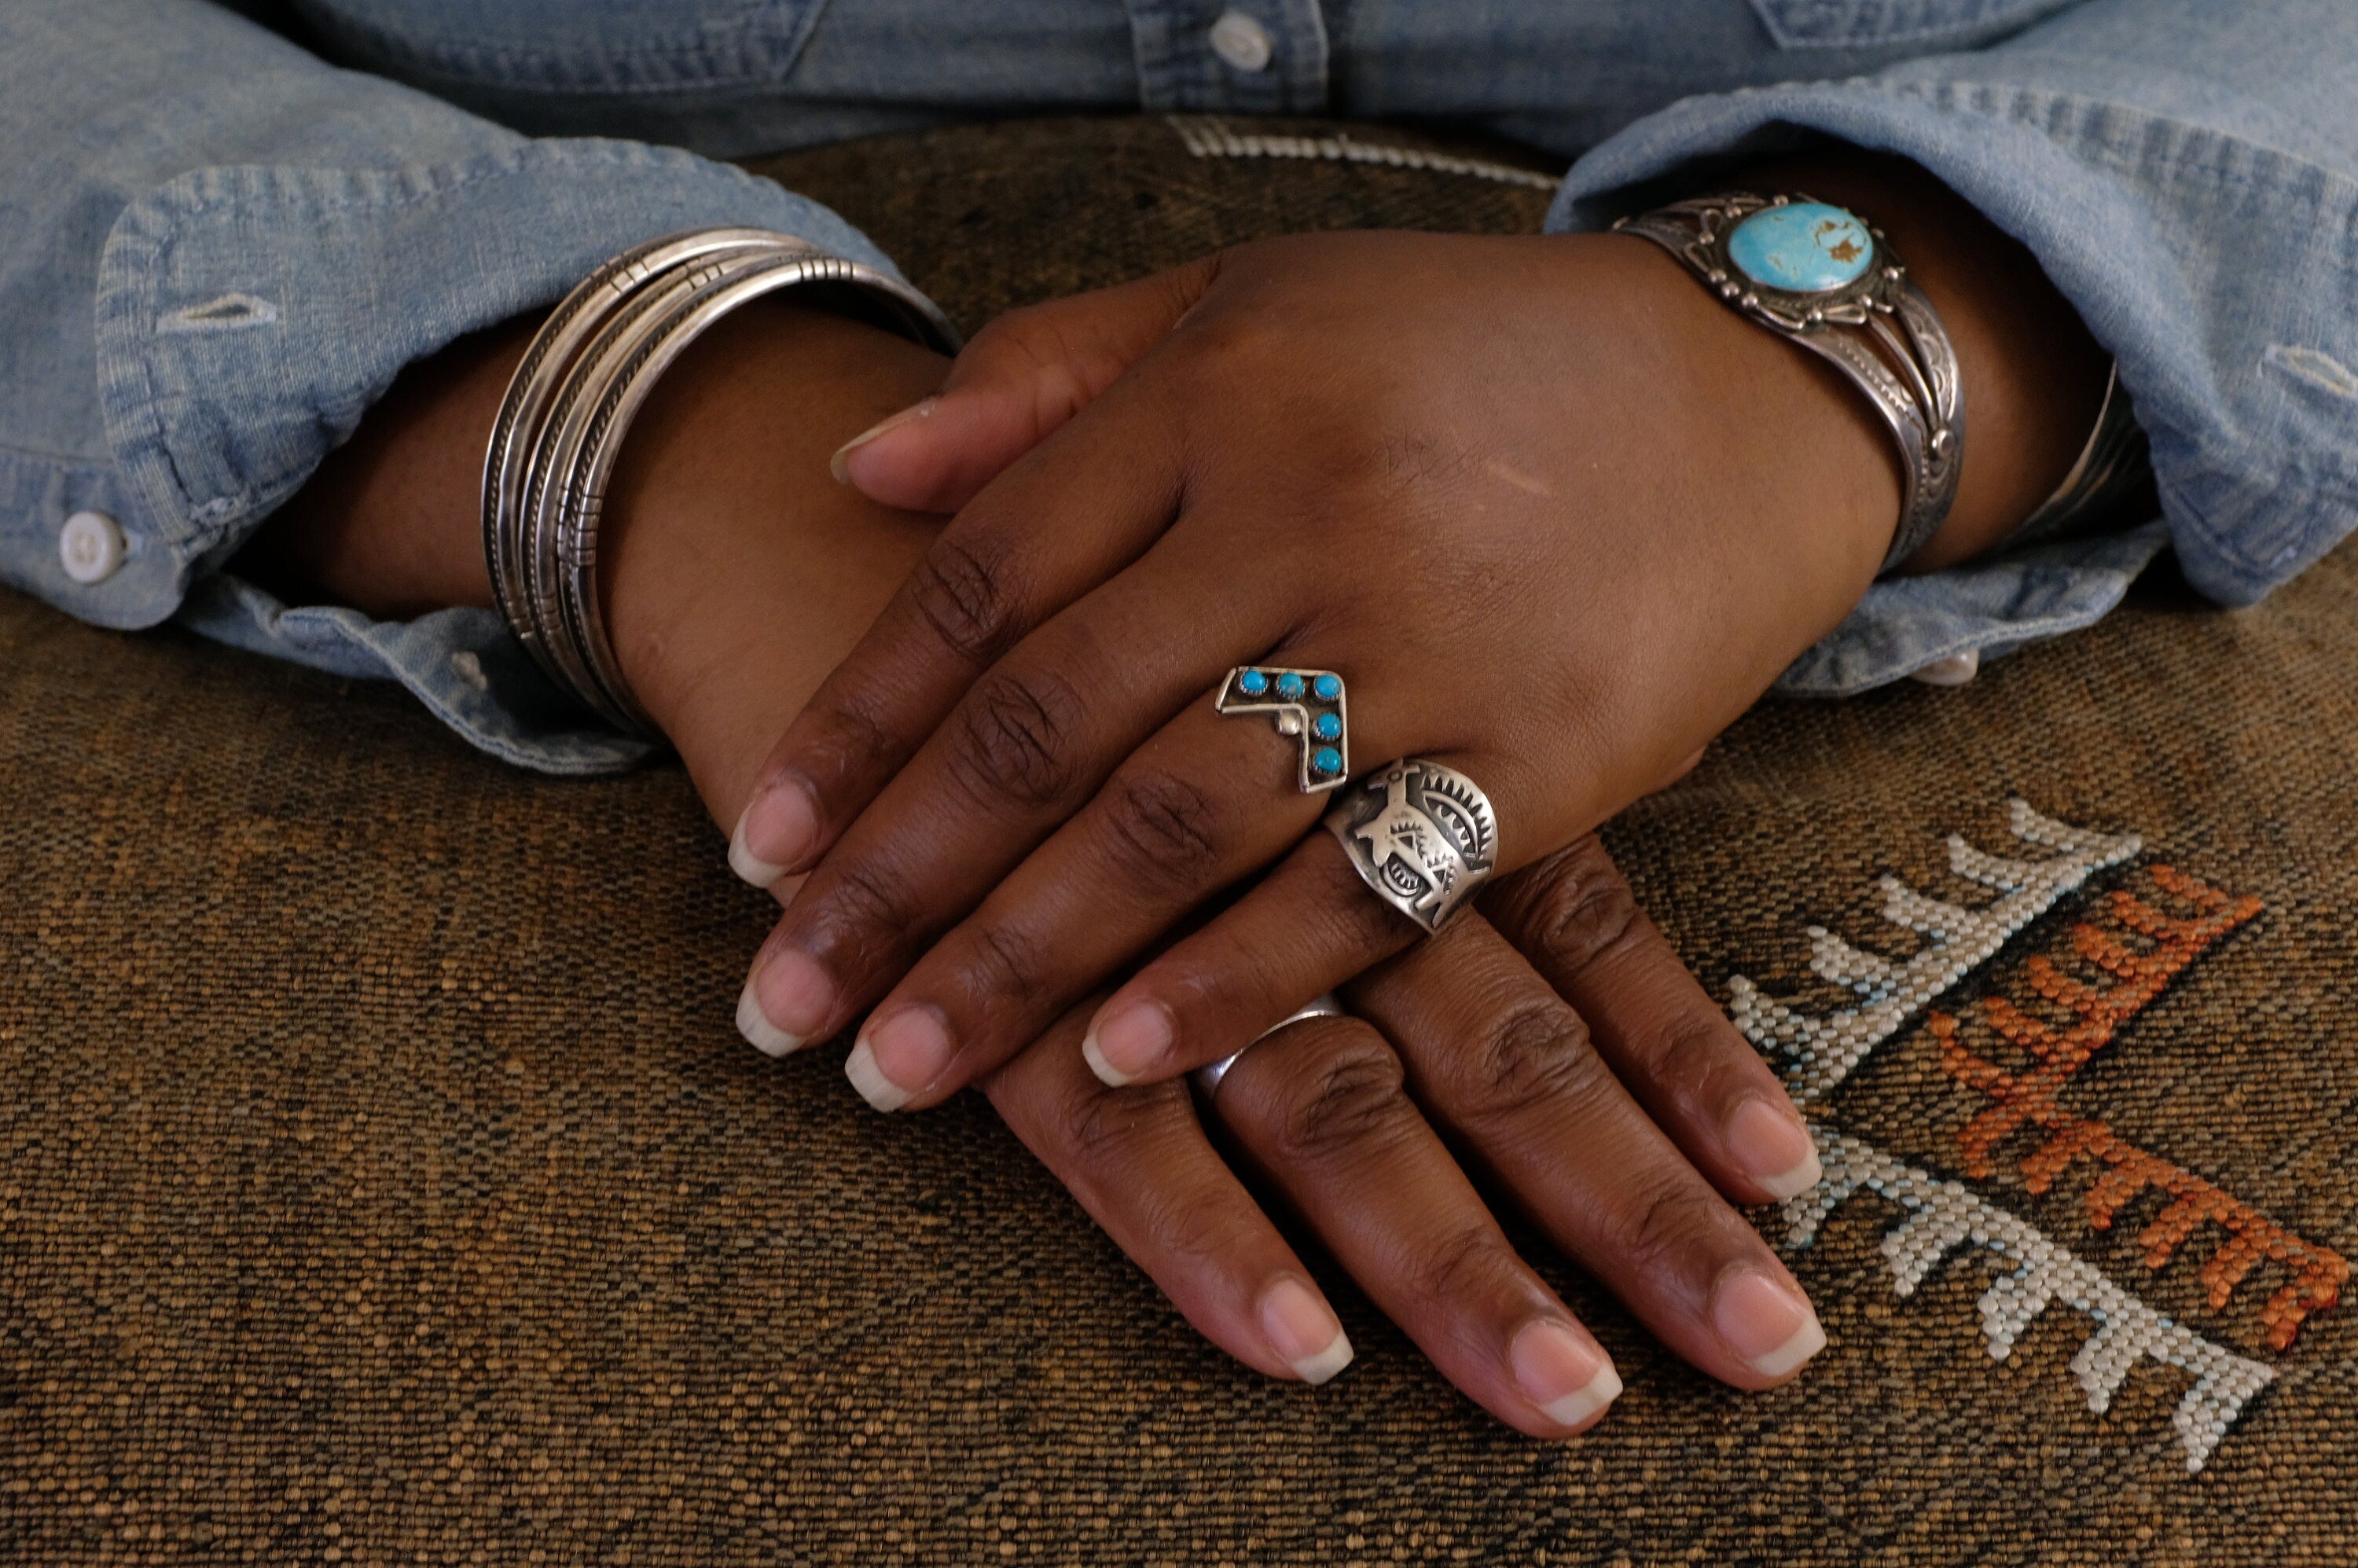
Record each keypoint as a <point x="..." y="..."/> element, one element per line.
<point x="736" y="572"/>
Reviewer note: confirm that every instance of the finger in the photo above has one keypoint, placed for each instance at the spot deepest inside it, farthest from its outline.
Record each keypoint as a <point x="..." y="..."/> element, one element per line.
<point x="1063" y="520"/>
<point x="1202" y="804"/>
<point x="1020" y="379"/>
<point x="1023" y="752"/>
<point x="1506" y="1069"/>
<point x="1139" y="1165"/>
<point x="1303" y="930"/>
<point x="1320" y="1110"/>
<point x="1576" y="922"/>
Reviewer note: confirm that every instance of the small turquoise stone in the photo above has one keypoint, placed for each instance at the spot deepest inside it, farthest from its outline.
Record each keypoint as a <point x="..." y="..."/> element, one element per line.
<point x="1326" y="760"/>
<point x="1252" y="683"/>
<point x="1802" y="247"/>
<point x="1328" y="727"/>
<point x="1328" y="687"/>
<point x="1289" y="685"/>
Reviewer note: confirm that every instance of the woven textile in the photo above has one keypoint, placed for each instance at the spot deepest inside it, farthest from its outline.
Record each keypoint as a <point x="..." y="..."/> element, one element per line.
<point x="382" y="1180"/>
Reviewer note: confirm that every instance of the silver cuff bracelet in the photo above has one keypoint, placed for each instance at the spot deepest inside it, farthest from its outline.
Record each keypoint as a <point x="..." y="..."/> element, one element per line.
<point x="1824" y="278"/>
<point x="581" y="381"/>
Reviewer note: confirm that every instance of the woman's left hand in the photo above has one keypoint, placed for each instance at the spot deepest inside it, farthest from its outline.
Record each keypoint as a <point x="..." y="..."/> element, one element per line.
<point x="1554" y="515"/>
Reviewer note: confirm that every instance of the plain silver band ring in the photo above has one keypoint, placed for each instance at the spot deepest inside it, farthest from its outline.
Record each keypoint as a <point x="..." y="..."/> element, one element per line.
<point x="1208" y="1076"/>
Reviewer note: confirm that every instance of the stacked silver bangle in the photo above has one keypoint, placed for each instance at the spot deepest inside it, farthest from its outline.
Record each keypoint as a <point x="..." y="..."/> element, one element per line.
<point x="583" y="379"/>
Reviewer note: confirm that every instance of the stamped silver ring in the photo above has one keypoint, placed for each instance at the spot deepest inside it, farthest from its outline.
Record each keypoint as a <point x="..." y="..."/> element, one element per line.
<point x="1209" y="1075"/>
<point x="1421" y="835"/>
<point x="1308" y="705"/>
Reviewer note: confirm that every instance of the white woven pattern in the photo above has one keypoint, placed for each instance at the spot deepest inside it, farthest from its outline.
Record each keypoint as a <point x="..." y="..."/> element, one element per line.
<point x="1943" y="1216"/>
<point x="1824" y="1049"/>
<point x="1209" y="136"/>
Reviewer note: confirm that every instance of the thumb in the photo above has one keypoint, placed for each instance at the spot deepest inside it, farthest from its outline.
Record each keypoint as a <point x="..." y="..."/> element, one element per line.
<point x="1022" y="376"/>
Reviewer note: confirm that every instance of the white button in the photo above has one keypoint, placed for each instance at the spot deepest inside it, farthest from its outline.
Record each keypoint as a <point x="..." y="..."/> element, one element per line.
<point x="1954" y="670"/>
<point x="1241" y="41"/>
<point x="91" y="545"/>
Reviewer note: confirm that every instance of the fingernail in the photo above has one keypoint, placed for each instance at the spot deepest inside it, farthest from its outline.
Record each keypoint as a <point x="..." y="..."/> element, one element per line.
<point x="892" y="1062"/>
<point x="1766" y="1322"/>
<point x="1774" y="1148"/>
<point x="1122" y="1048"/>
<point x="766" y="1037"/>
<point x="1302" y="1331"/>
<point x="776" y="830"/>
<point x="839" y="464"/>
<point x="1563" y="1374"/>
<point x="791" y="997"/>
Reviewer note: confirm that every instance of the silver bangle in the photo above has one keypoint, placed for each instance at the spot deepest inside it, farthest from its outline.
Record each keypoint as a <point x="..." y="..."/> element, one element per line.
<point x="1829" y="281"/>
<point x="2112" y="467"/>
<point x="1209" y="1075"/>
<point x="581" y="381"/>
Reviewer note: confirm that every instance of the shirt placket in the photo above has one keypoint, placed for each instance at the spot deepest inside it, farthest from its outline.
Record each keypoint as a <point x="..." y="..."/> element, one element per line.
<point x="1244" y="56"/>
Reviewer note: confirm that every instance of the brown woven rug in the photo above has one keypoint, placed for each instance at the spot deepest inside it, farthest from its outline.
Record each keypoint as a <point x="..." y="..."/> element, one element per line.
<point x="382" y="1180"/>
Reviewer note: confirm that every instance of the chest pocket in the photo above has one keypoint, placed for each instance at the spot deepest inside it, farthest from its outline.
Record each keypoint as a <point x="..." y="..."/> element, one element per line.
<point x="1864" y="24"/>
<point x="570" y="46"/>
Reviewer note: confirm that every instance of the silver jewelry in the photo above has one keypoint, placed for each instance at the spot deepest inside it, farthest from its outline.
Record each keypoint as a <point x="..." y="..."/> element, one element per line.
<point x="1209" y="1075"/>
<point x="1829" y="281"/>
<point x="1421" y="835"/>
<point x="2112" y="467"/>
<point x="1308" y="704"/>
<point x="582" y="380"/>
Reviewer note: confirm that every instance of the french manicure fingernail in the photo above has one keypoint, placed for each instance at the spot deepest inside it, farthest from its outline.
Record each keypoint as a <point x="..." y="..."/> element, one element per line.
<point x="788" y="996"/>
<point x="1302" y="1329"/>
<point x="838" y="464"/>
<point x="766" y="1037"/>
<point x="776" y="830"/>
<point x="1766" y="1322"/>
<point x="894" y="1060"/>
<point x="1119" y="1049"/>
<point x="1565" y="1376"/>
<point x="1774" y="1148"/>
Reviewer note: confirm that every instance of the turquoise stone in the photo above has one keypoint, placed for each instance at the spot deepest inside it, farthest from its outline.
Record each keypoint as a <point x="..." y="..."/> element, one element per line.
<point x="1328" y="727"/>
<point x="1289" y="685"/>
<point x="1326" y="760"/>
<point x="1802" y="247"/>
<point x="1252" y="683"/>
<point x="1328" y="687"/>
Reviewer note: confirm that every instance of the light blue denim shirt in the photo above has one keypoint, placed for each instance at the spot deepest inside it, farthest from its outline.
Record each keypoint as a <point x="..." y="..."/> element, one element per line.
<point x="218" y="248"/>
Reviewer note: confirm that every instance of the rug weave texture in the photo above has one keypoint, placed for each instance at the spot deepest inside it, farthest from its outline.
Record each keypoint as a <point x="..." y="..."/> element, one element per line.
<point x="381" y="1179"/>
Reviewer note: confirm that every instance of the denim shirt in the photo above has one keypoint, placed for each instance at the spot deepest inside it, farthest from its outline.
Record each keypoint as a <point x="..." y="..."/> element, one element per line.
<point x="218" y="248"/>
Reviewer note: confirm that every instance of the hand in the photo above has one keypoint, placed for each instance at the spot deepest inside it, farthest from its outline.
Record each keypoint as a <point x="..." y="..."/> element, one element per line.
<point x="1464" y="1042"/>
<point x="1554" y="512"/>
<point x="1555" y="515"/>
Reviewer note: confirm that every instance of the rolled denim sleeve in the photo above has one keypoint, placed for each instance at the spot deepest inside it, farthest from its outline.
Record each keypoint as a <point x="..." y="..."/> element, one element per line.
<point x="2186" y="173"/>
<point x="215" y="253"/>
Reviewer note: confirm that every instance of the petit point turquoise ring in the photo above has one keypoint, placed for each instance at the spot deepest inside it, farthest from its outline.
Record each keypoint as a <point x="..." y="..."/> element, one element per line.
<point x="1305" y="704"/>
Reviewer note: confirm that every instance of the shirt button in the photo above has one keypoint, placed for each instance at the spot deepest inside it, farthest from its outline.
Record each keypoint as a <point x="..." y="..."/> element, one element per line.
<point x="1241" y="41"/>
<point x="91" y="545"/>
<point x="1954" y="670"/>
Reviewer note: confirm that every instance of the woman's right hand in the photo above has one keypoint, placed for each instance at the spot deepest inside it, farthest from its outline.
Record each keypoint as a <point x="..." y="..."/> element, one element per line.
<point x="1556" y="1043"/>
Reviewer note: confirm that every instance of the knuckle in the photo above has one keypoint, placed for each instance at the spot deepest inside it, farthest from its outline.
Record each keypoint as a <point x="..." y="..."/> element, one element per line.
<point x="1574" y="906"/>
<point x="1009" y="960"/>
<point x="1103" y="1127"/>
<point x="1167" y="827"/>
<point x="1536" y="1054"/>
<point x="1017" y="730"/>
<point x="1346" y="1097"/>
<point x="1466" y="1264"/>
<point x="857" y="734"/>
<point x="964" y="591"/>
<point x="1659" y="1223"/>
<point x="866" y="899"/>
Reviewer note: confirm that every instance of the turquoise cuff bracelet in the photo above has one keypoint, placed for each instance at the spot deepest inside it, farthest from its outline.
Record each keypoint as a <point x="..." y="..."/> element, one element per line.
<point x="1829" y="281"/>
